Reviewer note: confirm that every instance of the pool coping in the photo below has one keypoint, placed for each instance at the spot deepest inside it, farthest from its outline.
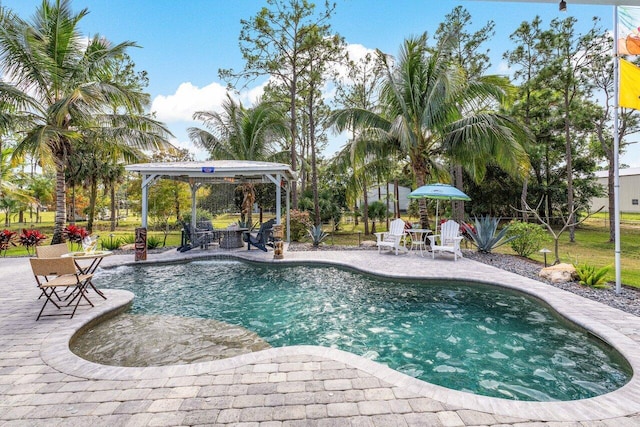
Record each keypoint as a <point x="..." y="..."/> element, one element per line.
<point x="623" y="333"/>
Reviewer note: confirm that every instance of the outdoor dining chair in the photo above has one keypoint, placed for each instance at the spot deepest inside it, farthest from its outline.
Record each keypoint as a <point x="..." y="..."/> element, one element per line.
<point x="56" y="273"/>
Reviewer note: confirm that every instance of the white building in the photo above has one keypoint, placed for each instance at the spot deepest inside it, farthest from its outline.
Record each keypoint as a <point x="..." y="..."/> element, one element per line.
<point x="629" y="191"/>
<point x="380" y="193"/>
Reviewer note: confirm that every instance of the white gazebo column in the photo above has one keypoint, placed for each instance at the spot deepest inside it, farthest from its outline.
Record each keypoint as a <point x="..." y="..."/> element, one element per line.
<point x="194" y="189"/>
<point x="147" y="180"/>
<point x="288" y="194"/>
<point x="278" y="196"/>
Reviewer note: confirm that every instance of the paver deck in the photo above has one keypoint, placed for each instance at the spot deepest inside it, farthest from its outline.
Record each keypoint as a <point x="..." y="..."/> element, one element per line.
<point x="43" y="383"/>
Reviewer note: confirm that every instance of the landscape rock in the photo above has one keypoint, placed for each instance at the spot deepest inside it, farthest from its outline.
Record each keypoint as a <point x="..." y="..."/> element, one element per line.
<point x="559" y="273"/>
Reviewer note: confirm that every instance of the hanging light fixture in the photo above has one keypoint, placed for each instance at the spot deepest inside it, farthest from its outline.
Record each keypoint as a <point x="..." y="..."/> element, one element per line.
<point x="563" y="6"/>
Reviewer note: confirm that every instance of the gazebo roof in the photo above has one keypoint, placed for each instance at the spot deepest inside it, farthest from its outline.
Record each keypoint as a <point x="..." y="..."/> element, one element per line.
<point x="215" y="171"/>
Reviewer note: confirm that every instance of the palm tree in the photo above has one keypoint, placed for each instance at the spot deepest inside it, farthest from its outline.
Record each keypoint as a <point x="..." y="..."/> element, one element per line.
<point x="60" y="84"/>
<point x="430" y="111"/>
<point x="238" y="133"/>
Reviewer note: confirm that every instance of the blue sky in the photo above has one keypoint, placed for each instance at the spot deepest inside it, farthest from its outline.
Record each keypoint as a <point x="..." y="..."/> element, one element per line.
<point x="184" y="43"/>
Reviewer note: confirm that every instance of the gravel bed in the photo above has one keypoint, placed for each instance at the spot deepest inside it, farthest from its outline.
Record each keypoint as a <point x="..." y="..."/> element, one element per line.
<point x="628" y="300"/>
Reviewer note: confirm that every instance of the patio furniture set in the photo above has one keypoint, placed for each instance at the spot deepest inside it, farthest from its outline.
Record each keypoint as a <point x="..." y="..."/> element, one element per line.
<point x="62" y="277"/>
<point x="399" y="236"/>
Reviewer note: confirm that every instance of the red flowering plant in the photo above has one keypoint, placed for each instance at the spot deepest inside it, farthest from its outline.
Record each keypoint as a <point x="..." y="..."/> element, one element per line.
<point x="75" y="234"/>
<point x="6" y="239"/>
<point x="30" y="239"/>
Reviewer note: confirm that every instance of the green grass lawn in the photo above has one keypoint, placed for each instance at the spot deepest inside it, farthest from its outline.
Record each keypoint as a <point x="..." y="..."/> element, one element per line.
<point x="591" y="245"/>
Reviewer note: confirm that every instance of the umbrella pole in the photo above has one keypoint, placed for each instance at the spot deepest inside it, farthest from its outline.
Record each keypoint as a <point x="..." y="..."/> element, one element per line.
<point x="437" y="205"/>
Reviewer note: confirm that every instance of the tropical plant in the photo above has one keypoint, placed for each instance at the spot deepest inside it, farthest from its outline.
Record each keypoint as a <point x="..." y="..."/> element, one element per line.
<point x="6" y="239"/>
<point x="111" y="244"/>
<point x="588" y="275"/>
<point x="429" y="107"/>
<point x="30" y="239"/>
<point x="75" y="234"/>
<point x="317" y="234"/>
<point x="485" y="235"/>
<point x="377" y="212"/>
<point x="528" y="237"/>
<point x="129" y="239"/>
<point x="299" y="223"/>
<point x="60" y="84"/>
<point x="238" y="133"/>
<point x="154" y="242"/>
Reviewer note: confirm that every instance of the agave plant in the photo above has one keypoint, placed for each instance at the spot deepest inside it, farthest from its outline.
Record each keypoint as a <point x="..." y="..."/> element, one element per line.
<point x="485" y="235"/>
<point x="317" y="234"/>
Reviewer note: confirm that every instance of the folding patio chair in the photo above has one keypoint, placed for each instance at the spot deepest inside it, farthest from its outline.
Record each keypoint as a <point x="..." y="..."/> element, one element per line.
<point x="52" y="251"/>
<point x="53" y="273"/>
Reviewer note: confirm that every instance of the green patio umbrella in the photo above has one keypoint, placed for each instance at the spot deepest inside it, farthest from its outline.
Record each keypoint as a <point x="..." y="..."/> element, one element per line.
<point x="438" y="192"/>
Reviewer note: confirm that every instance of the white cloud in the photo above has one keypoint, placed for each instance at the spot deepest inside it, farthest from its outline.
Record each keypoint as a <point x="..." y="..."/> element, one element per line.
<point x="180" y="106"/>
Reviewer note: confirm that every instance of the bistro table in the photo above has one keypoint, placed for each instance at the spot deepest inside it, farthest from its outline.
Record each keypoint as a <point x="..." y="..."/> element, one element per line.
<point x="418" y="239"/>
<point x="95" y="258"/>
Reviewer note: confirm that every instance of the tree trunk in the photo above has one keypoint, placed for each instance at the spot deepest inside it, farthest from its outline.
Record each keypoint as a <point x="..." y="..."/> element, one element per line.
<point x="420" y="172"/>
<point x="72" y="211"/>
<point x="114" y="214"/>
<point x="458" y="205"/>
<point x="569" y="158"/>
<point x="314" y="168"/>
<point x="293" y="129"/>
<point x="387" y="202"/>
<point x="93" y="196"/>
<point x="61" y="203"/>
<point x="396" y="196"/>
<point x="523" y="199"/>
<point x="365" y="208"/>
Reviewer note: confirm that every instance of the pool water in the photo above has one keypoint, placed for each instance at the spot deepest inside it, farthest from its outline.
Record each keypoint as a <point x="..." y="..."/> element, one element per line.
<point x="468" y="337"/>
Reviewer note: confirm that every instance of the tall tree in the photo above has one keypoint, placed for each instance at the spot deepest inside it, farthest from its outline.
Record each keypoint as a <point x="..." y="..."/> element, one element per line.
<point x="274" y="43"/>
<point x="241" y="134"/>
<point x="427" y="111"/>
<point x="568" y="62"/>
<point x="60" y="83"/>
<point x="359" y="90"/>
<point x="601" y="75"/>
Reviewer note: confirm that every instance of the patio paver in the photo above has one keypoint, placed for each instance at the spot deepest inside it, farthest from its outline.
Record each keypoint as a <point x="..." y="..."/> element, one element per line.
<point x="43" y="383"/>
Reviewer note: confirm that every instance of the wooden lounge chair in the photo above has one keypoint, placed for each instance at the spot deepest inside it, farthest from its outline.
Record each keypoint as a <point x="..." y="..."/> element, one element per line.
<point x="54" y="273"/>
<point x="394" y="238"/>
<point x="450" y="239"/>
<point x="195" y="237"/>
<point x="262" y="238"/>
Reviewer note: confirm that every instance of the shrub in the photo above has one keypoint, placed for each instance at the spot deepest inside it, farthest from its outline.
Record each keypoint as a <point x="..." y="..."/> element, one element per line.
<point x="30" y="239"/>
<point x="299" y="223"/>
<point x="75" y="234"/>
<point x="111" y="244"/>
<point x="484" y="235"/>
<point x="527" y="237"/>
<point x="317" y="234"/>
<point x="153" y="242"/>
<point x="129" y="239"/>
<point x="589" y="276"/>
<point x="6" y="240"/>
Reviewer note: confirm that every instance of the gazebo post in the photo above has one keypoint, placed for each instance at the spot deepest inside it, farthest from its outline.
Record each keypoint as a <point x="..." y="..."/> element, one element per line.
<point x="288" y="193"/>
<point x="278" y="196"/>
<point x="147" y="180"/>
<point x="194" y="189"/>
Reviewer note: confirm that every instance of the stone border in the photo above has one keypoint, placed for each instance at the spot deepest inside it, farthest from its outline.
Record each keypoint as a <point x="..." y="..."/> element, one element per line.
<point x="585" y="313"/>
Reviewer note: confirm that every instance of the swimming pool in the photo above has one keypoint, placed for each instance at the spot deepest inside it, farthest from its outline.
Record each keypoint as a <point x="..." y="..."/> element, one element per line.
<point x="467" y="337"/>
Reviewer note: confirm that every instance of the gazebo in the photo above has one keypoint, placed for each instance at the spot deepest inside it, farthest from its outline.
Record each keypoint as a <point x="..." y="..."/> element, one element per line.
<point x="216" y="172"/>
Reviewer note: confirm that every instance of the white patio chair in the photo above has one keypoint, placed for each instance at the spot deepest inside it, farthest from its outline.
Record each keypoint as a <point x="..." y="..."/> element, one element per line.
<point x="449" y="240"/>
<point x="394" y="238"/>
